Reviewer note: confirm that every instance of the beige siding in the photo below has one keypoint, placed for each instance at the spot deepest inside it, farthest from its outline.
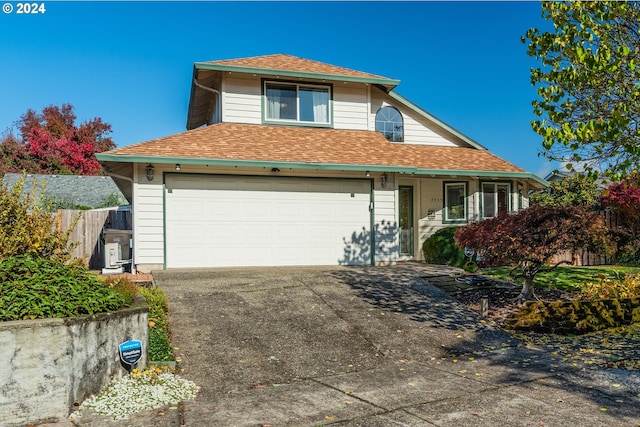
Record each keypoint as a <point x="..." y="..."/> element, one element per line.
<point x="353" y="108"/>
<point x="242" y="103"/>
<point x="430" y="211"/>
<point x="350" y="107"/>
<point x="148" y="218"/>
<point x="241" y="100"/>
<point x="385" y="223"/>
<point x="417" y="129"/>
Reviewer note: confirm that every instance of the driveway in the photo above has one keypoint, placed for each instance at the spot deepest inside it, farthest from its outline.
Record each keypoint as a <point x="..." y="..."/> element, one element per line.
<point x="366" y="346"/>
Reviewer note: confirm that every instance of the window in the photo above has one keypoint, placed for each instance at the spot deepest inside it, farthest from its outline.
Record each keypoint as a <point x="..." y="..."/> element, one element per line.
<point x="495" y="198"/>
<point x="296" y="103"/>
<point x="390" y="124"/>
<point x="455" y="201"/>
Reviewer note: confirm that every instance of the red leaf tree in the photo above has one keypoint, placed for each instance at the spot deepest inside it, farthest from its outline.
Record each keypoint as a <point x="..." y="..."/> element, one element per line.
<point x="51" y="142"/>
<point x="527" y="240"/>
<point x="623" y="198"/>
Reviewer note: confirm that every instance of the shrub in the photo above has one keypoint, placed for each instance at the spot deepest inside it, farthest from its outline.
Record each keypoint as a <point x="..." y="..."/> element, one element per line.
<point x="575" y="317"/>
<point x="123" y="286"/>
<point x="159" y="344"/>
<point x="27" y="226"/>
<point x="33" y="287"/>
<point x="440" y="248"/>
<point x="625" y="286"/>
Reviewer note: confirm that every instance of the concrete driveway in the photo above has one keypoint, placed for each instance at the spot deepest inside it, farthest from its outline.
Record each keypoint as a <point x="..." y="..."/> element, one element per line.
<point x="375" y="346"/>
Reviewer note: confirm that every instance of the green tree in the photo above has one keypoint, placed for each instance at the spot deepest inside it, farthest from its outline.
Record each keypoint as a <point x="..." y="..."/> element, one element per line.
<point x="573" y="190"/>
<point x="588" y="84"/>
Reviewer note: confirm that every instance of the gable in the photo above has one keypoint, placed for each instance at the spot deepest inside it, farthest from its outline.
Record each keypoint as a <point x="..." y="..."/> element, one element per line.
<point x="420" y="127"/>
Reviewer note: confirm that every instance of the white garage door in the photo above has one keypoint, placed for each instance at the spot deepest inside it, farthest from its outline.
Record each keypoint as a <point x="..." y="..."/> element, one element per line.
<point x="214" y="221"/>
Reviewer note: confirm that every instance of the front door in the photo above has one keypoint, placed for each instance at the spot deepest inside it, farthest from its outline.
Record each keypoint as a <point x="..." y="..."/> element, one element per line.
<point x="406" y="221"/>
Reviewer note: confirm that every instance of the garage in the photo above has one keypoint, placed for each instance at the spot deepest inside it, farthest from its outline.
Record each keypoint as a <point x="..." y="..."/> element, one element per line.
<point x="228" y="220"/>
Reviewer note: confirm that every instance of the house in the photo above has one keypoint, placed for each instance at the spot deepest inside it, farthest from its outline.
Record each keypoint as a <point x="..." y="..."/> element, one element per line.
<point x="289" y="161"/>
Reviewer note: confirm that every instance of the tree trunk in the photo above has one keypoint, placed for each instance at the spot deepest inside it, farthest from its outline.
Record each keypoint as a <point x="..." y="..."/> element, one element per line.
<point x="527" y="292"/>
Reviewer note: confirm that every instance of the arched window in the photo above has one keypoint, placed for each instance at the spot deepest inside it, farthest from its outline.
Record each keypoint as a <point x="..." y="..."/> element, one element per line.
<point x="390" y="124"/>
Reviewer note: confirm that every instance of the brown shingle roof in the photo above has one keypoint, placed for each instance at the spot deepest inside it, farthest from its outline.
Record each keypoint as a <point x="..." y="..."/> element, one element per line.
<point x="231" y="141"/>
<point x="293" y="63"/>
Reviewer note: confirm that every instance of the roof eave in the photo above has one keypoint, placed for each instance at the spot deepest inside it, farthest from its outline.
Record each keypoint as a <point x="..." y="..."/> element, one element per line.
<point x="390" y="83"/>
<point x="105" y="157"/>
<point x="410" y="170"/>
<point x="496" y="175"/>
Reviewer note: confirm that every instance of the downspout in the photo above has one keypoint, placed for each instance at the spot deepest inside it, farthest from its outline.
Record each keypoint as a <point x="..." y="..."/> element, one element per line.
<point x="218" y="100"/>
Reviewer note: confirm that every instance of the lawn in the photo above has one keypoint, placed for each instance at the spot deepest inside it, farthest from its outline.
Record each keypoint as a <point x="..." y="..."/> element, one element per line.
<point x="565" y="277"/>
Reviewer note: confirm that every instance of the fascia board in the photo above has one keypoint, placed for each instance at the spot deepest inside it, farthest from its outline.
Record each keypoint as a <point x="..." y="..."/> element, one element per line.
<point x="296" y="74"/>
<point x="484" y="174"/>
<point x="122" y="158"/>
<point x="435" y="120"/>
<point x="407" y="170"/>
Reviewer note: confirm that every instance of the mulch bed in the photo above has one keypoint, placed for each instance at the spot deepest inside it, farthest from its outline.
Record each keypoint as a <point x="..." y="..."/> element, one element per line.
<point x="618" y="348"/>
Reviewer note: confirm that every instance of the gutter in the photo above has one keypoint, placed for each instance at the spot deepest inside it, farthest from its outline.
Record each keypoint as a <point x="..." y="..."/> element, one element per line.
<point x="218" y="99"/>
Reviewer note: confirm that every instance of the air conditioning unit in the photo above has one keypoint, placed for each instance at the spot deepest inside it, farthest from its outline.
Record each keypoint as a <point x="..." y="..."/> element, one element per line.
<point x="112" y="255"/>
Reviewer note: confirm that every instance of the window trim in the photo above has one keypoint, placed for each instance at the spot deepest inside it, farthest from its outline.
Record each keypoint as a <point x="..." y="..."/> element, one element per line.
<point x="401" y="118"/>
<point x="289" y="122"/>
<point x="445" y="203"/>
<point x="509" y="196"/>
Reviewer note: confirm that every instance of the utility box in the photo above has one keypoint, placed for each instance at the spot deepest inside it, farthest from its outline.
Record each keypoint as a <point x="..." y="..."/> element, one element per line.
<point x="112" y="255"/>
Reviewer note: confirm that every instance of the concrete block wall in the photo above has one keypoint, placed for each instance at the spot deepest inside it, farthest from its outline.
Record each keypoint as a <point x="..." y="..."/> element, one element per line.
<point x="48" y="365"/>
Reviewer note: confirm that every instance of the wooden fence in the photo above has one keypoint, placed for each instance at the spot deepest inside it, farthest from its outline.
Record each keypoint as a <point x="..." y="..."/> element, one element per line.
<point x="86" y="234"/>
<point x="585" y="258"/>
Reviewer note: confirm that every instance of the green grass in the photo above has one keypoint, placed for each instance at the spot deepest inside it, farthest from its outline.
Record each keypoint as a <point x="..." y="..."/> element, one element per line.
<point x="564" y="277"/>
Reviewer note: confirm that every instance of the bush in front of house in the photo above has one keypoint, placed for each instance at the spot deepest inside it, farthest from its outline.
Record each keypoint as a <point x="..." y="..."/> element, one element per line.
<point x="37" y="278"/>
<point x="27" y="225"/>
<point x="440" y="248"/>
<point x="34" y="287"/>
<point x="623" y="286"/>
<point x="575" y="317"/>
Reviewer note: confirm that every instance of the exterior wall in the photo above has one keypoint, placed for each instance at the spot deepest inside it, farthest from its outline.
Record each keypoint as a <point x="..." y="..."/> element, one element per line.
<point x="51" y="364"/>
<point x="428" y="208"/>
<point x="241" y="99"/>
<point x="385" y="222"/>
<point x="148" y="210"/>
<point x="242" y="102"/>
<point x="148" y="219"/>
<point x="354" y="107"/>
<point x="350" y="107"/>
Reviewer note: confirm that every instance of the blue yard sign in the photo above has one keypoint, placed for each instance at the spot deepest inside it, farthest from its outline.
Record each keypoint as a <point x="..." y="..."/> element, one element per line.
<point x="130" y="352"/>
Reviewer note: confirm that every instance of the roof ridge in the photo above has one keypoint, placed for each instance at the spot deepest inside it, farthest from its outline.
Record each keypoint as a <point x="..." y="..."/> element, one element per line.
<point x="245" y="61"/>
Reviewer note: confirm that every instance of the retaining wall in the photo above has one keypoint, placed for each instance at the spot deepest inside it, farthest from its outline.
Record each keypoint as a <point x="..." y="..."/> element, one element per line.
<point x="49" y="366"/>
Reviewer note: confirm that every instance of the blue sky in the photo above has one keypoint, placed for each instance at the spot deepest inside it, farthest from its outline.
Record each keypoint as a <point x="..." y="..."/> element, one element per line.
<point x="130" y="63"/>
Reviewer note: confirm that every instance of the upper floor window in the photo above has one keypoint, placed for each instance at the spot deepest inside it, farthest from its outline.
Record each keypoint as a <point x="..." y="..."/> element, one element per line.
<point x="495" y="198"/>
<point x="390" y="124"/>
<point x="297" y="103"/>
